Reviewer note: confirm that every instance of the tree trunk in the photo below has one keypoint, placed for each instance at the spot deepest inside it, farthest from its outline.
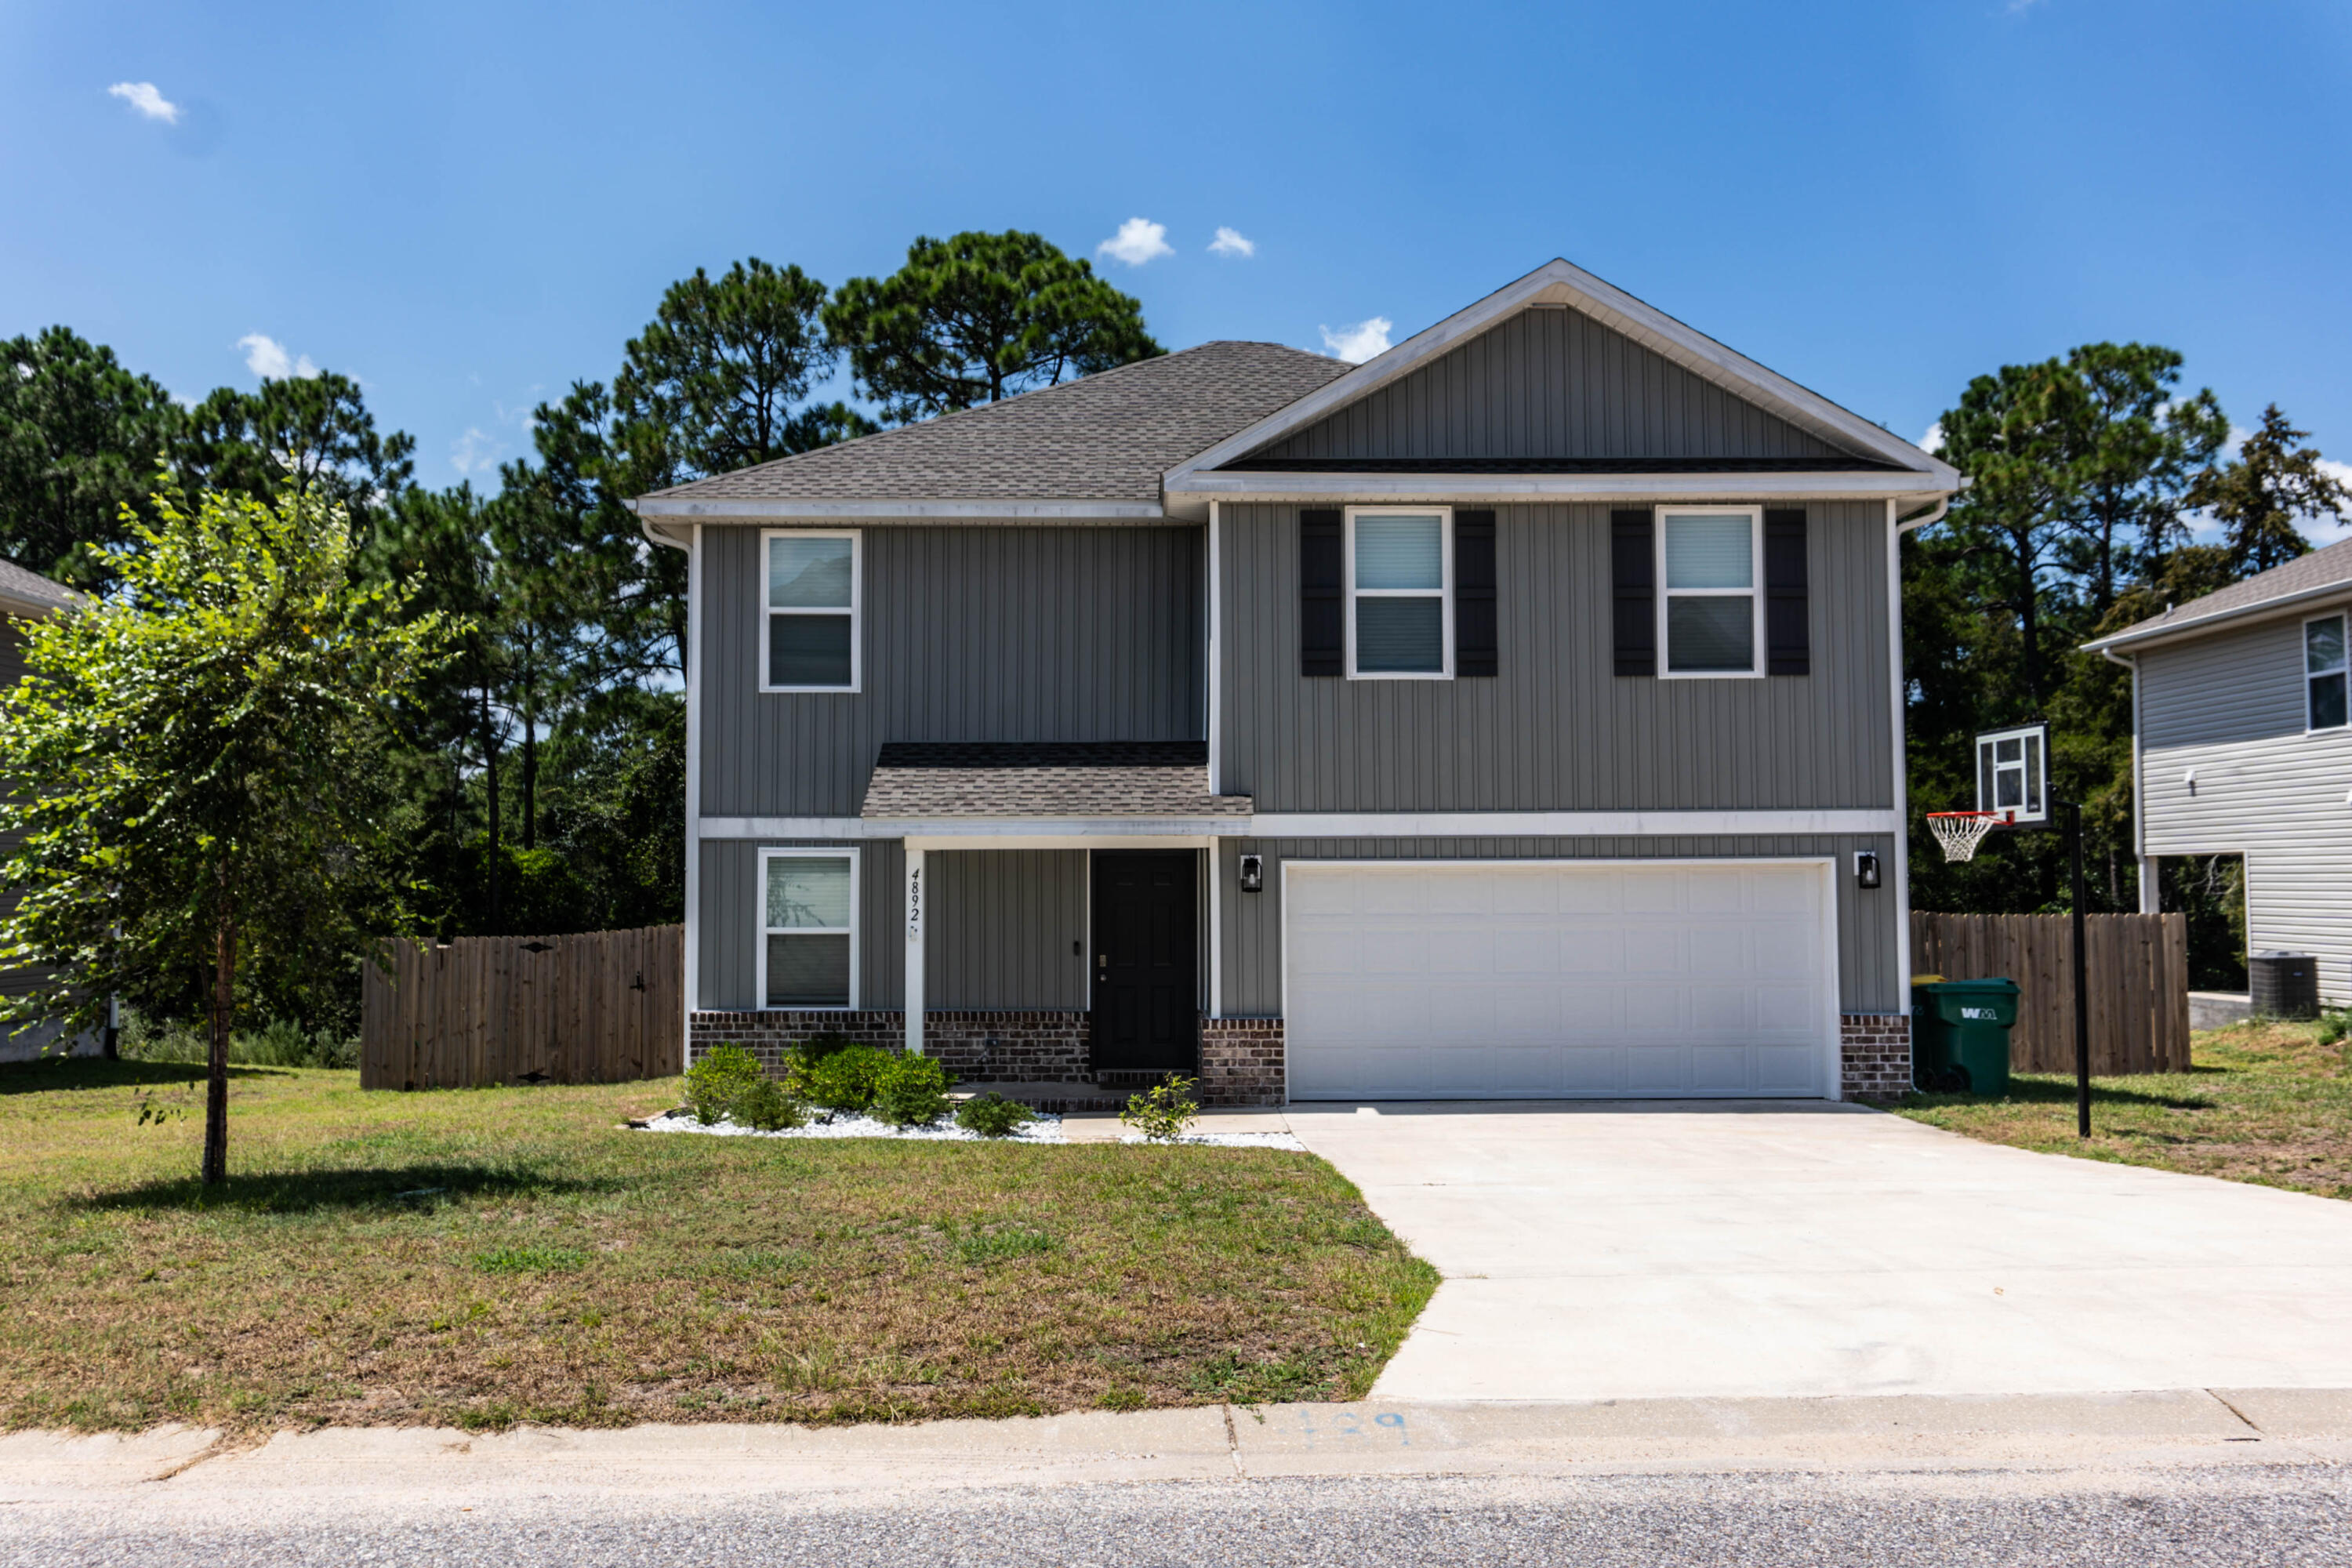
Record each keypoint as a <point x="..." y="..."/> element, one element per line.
<point x="2029" y="622"/>
<point x="216" y="1166"/>
<point x="529" y="777"/>
<point x="490" y="784"/>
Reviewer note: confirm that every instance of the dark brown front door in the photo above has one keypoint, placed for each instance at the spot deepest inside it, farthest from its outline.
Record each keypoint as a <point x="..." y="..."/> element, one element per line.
<point x="1146" y="957"/>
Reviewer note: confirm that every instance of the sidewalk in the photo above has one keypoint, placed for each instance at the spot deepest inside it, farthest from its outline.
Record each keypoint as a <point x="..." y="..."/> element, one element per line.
<point x="386" y="1465"/>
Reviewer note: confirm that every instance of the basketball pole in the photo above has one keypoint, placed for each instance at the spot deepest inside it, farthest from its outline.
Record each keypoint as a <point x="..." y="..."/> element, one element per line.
<point x="2081" y="973"/>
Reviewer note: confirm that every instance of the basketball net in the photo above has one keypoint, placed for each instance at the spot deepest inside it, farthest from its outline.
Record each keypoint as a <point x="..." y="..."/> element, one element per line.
<point x="1960" y="832"/>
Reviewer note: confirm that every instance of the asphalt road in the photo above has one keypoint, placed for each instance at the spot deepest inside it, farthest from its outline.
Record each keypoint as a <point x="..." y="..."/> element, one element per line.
<point x="2276" y="1516"/>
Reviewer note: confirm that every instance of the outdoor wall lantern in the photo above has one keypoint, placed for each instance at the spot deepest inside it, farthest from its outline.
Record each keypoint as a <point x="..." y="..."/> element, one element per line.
<point x="1866" y="867"/>
<point x="1253" y="873"/>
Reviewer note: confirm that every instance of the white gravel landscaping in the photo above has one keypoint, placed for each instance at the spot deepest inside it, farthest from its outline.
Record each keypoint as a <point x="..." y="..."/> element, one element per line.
<point x="1046" y="1129"/>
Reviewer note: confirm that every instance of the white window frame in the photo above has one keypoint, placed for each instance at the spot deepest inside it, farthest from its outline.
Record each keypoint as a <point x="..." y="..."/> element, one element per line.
<point x="1444" y="515"/>
<point x="762" y="931"/>
<point x="856" y="611"/>
<point x="2303" y="659"/>
<point x="1753" y="593"/>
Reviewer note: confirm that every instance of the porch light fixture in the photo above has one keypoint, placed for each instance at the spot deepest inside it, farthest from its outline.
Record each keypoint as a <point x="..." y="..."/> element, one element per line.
<point x="1253" y="873"/>
<point x="1866" y="867"/>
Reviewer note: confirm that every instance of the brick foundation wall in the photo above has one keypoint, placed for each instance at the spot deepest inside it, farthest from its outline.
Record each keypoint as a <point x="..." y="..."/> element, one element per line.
<point x="1241" y="1061"/>
<point x="1876" y="1051"/>
<point x="975" y="1047"/>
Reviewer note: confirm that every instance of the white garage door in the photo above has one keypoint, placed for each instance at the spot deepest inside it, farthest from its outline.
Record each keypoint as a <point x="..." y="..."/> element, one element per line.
<point x="1473" y="980"/>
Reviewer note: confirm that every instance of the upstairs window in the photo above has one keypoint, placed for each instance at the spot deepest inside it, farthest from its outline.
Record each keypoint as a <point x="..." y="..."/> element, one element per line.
<point x="1400" y="595"/>
<point x="2324" y="672"/>
<point x="808" y="938"/>
<point x="812" y="587"/>
<point x="1708" y="566"/>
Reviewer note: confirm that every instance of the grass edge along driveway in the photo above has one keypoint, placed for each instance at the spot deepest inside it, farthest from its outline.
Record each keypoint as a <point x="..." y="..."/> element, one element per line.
<point x="485" y="1256"/>
<point x="2265" y="1102"/>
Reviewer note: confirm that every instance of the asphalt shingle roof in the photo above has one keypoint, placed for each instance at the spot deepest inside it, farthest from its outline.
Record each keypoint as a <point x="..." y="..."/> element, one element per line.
<point x="1021" y="779"/>
<point x="1108" y="437"/>
<point x="20" y="586"/>
<point x="2322" y="567"/>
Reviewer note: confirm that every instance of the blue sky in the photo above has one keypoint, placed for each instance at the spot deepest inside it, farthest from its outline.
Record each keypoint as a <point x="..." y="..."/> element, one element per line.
<point x="467" y="206"/>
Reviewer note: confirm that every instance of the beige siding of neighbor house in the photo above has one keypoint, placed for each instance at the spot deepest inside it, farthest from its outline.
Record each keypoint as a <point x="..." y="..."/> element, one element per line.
<point x="2229" y="707"/>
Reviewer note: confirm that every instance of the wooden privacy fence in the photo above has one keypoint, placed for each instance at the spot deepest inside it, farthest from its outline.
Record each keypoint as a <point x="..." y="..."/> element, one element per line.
<point x="597" y="1008"/>
<point x="2138" y="982"/>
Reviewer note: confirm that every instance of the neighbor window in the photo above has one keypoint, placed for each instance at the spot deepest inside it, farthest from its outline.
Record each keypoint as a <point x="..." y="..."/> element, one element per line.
<point x="1708" y="567"/>
<point x="811" y="612"/>
<point x="1400" y="595"/>
<point x="2324" y="672"/>
<point x="808" y="936"/>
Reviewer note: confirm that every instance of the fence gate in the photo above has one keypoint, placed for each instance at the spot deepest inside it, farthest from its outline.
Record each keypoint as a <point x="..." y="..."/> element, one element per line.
<point x="2138" y="977"/>
<point x="597" y="1008"/>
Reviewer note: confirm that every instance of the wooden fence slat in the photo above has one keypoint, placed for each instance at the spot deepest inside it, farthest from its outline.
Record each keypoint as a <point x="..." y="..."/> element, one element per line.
<point x="594" y="1007"/>
<point x="2138" y="984"/>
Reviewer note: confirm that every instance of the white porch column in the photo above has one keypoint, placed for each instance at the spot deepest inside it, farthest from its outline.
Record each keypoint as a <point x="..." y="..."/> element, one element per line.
<point x="2151" y="888"/>
<point x="914" y="988"/>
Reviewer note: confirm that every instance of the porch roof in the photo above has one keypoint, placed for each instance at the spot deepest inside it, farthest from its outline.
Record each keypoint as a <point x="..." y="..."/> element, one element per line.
<point x="1034" y="780"/>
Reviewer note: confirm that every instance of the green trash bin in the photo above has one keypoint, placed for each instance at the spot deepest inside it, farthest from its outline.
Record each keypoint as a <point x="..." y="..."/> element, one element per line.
<point x="1960" y="1034"/>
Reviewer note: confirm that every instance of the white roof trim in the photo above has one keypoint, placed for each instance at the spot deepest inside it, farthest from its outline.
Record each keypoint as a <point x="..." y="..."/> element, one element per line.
<point x="720" y="508"/>
<point x="2168" y="630"/>
<point x="1830" y="485"/>
<point x="1559" y="282"/>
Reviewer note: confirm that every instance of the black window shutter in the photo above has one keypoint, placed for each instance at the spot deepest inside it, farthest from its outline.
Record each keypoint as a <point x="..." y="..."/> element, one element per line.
<point x="1788" y="643"/>
<point x="1322" y="618"/>
<point x="1633" y="591"/>
<point x="1475" y="641"/>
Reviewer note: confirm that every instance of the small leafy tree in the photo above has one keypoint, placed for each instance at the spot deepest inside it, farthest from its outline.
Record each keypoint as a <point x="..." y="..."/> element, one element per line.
<point x="196" y="764"/>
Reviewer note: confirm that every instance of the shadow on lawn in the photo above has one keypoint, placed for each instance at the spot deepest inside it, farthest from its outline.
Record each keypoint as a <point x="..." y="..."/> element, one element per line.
<point x="392" y="1188"/>
<point x="2040" y="1090"/>
<point x="95" y="1072"/>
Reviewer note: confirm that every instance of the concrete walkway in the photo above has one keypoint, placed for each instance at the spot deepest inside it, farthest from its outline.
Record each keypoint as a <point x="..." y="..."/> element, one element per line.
<point x="1634" y="1251"/>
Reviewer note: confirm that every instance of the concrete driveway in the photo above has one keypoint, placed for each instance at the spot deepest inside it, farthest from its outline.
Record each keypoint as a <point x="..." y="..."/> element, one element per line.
<point x="1619" y="1251"/>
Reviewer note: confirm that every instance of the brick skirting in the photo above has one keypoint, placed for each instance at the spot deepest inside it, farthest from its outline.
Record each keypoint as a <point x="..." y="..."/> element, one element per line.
<point x="975" y="1047"/>
<point x="1241" y="1061"/>
<point x="1876" y="1051"/>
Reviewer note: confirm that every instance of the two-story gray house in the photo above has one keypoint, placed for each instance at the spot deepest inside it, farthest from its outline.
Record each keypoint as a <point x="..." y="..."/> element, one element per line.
<point x="1516" y="714"/>
<point x="2242" y="745"/>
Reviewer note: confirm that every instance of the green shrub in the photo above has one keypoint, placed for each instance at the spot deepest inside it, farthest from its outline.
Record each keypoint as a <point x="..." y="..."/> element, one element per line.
<point x="714" y="1084"/>
<point x="2335" y="1026"/>
<point x="992" y="1116"/>
<point x="816" y="1048"/>
<point x="1163" y="1112"/>
<point x="844" y="1079"/>
<point x="769" y="1107"/>
<point x="912" y="1091"/>
<point x="280" y="1043"/>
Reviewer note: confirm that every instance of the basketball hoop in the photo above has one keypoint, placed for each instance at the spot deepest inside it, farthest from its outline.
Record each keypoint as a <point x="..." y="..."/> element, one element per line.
<point x="1960" y="832"/>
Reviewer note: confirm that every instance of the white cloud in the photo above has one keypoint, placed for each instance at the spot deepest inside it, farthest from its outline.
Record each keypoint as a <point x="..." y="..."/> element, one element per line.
<point x="474" y="452"/>
<point x="1361" y="342"/>
<point x="1933" y="441"/>
<point x="266" y="358"/>
<point x="1138" y="240"/>
<point x="142" y="97"/>
<point x="1232" y="242"/>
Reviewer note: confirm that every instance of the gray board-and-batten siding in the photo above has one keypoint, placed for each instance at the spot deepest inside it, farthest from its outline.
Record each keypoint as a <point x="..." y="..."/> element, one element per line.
<point x="995" y="632"/>
<point x="1556" y="729"/>
<point x="1549" y="383"/>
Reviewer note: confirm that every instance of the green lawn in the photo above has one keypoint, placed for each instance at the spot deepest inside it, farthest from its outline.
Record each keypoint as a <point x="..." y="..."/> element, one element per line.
<point x="485" y="1256"/>
<point x="2261" y="1102"/>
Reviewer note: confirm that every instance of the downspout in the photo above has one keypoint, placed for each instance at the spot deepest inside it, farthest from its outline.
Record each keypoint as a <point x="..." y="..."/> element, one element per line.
<point x="690" y="978"/>
<point x="1898" y="527"/>
<point x="2149" y="899"/>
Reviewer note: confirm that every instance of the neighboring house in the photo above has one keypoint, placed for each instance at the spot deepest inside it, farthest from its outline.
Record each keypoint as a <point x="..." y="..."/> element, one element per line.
<point x="2240" y="746"/>
<point x="25" y="596"/>
<point x="1514" y="714"/>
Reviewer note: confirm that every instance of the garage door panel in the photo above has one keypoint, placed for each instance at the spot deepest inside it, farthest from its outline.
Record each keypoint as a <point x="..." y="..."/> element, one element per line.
<point x="1463" y="980"/>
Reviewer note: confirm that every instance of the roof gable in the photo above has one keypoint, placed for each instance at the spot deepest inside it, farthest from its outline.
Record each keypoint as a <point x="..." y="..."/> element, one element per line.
<point x="1547" y="383"/>
<point x="1794" y="411"/>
